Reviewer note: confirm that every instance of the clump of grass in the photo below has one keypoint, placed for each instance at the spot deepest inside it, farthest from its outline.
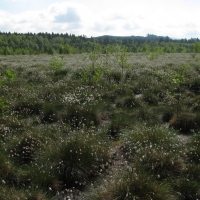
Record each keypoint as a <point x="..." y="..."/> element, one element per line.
<point x="78" y="117"/>
<point x="11" y="193"/>
<point x="195" y="85"/>
<point x="9" y="126"/>
<point x="150" y="98"/>
<point x="186" y="188"/>
<point x="51" y="111"/>
<point x="192" y="171"/>
<point x="194" y="149"/>
<point x="77" y="159"/>
<point x="28" y="108"/>
<point x="60" y="73"/>
<point x="114" y="76"/>
<point x="23" y="148"/>
<point x="160" y="163"/>
<point x="82" y="107"/>
<point x="132" y="184"/>
<point x="185" y="122"/>
<point x="6" y="170"/>
<point x="128" y="102"/>
<point x="140" y="138"/>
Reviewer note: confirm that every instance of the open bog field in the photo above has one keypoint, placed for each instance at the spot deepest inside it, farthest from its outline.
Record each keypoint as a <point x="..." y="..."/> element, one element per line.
<point x="96" y="127"/>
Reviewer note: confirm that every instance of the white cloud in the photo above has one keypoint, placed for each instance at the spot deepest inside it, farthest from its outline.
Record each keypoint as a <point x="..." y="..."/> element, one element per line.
<point x="179" y="18"/>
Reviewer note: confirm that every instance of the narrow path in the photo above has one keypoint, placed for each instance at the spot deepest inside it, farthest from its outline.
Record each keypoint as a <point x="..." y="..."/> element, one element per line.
<point x="119" y="163"/>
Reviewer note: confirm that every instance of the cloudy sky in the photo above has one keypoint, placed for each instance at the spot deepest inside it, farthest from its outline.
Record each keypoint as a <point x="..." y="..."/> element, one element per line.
<point x="173" y="18"/>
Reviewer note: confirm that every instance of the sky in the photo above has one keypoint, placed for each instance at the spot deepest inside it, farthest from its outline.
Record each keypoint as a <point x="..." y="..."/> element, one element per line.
<point x="173" y="18"/>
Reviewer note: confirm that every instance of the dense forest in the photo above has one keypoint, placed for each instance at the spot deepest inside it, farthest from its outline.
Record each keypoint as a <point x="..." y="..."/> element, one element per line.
<point x="50" y="43"/>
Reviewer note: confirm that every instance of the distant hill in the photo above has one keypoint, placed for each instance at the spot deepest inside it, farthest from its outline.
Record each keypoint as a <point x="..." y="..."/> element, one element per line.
<point x="146" y="38"/>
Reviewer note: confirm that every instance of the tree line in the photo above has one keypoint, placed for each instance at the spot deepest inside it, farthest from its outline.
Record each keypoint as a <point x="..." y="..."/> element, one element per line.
<point x="55" y="43"/>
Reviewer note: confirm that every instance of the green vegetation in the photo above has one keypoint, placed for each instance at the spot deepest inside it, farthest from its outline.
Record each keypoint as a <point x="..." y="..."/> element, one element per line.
<point x="99" y="125"/>
<point x="54" y="43"/>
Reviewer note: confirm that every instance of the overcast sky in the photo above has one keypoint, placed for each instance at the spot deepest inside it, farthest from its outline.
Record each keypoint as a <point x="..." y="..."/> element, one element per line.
<point x="173" y="18"/>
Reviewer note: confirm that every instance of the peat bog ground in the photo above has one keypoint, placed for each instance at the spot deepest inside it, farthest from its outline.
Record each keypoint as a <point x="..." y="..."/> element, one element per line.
<point x="96" y="128"/>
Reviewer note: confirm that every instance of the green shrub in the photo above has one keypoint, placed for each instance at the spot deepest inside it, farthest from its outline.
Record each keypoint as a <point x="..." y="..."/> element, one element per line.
<point x="10" y="75"/>
<point x="57" y="63"/>
<point x="3" y="107"/>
